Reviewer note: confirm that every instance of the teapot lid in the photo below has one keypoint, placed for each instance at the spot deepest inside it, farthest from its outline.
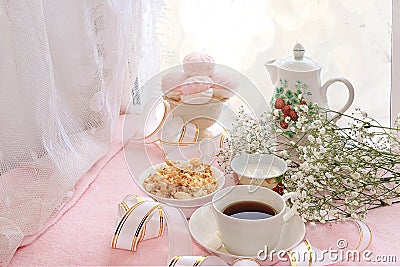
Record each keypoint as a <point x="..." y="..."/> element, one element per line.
<point x="298" y="62"/>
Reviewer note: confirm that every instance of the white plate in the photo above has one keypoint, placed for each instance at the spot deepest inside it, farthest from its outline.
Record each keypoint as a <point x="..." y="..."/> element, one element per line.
<point x="202" y="226"/>
<point x="188" y="206"/>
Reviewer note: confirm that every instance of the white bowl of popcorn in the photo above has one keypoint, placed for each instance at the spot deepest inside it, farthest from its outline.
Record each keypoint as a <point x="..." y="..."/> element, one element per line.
<point x="187" y="185"/>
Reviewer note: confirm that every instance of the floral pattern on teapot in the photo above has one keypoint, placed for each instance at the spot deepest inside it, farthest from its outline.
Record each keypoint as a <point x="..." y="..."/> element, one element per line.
<point x="300" y="75"/>
<point x="286" y="103"/>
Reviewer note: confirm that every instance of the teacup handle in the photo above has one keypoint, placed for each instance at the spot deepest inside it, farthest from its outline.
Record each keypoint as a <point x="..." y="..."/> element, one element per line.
<point x="349" y="86"/>
<point x="289" y="214"/>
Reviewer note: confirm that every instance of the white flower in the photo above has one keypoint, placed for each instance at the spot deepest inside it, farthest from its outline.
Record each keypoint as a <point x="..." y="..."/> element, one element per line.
<point x="397" y="189"/>
<point x="354" y="194"/>
<point x="287" y="119"/>
<point x="364" y="114"/>
<point x="366" y="158"/>
<point x="304" y="108"/>
<point x="304" y="166"/>
<point x="302" y="119"/>
<point x="284" y="154"/>
<point x="346" y="169"/>
<point x="332" y="172"/>
<point x="248" y="137"/>
<point x="352" y="158"/>
<point x="317" y="154"/>
<point x="336" y="169"/>
<point x="300" y="96"/>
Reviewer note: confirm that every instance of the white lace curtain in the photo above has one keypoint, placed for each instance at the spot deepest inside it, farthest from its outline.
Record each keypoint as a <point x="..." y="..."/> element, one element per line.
<point x="66" y="72"/>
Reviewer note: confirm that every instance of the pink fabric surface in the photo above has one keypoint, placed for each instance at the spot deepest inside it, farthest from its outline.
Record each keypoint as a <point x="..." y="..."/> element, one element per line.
<point x="82" y="236"/>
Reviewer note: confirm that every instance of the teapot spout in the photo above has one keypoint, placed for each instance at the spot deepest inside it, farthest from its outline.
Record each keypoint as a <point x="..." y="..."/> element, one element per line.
<point x="272" y="70"/>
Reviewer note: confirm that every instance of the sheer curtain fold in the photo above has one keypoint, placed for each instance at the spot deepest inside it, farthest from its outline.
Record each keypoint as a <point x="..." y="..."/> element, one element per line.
<point x="66" y="72"/>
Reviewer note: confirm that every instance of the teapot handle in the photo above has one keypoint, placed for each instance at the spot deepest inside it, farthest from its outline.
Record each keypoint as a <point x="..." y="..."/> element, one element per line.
<point x="349" y="86"/>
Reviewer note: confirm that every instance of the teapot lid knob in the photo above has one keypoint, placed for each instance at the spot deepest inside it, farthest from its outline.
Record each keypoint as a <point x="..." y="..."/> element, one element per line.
<point x="298" y="51"/>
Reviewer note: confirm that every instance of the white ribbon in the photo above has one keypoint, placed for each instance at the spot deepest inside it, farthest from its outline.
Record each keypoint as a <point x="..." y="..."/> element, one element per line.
<point x="133" y="229"/>
<point x="135" y="223"/>
<point x="142" y="218"/>
<point x="209" y="261"/>
<point x="306" y="255"/>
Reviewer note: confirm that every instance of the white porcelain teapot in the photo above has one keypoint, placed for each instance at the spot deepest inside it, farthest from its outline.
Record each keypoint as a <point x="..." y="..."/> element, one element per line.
<point x="301" y="75"/>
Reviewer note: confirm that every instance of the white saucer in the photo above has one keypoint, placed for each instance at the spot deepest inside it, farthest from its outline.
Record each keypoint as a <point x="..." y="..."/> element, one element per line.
<point x="202" y="226"/>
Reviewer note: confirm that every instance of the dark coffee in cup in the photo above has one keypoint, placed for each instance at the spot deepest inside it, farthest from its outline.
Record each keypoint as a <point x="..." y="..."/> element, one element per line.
<point x="245" y="237"/>
<point x="249" y="210"/>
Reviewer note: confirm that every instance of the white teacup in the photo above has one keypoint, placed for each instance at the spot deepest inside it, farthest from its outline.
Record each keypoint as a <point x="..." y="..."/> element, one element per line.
<point x="258" y="169"/>
<point x="245" y="237"/>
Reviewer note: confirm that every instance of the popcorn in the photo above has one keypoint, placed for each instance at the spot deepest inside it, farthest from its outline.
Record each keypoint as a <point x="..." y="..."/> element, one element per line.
<point x="181" y="180"/>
